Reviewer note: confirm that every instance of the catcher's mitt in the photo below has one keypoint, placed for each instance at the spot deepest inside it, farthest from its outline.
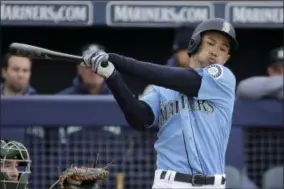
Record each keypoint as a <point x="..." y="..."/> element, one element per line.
<point x="82" y="177"/>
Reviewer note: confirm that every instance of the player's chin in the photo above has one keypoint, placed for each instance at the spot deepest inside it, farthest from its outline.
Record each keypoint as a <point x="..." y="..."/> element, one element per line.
<point x="211" y="61"/>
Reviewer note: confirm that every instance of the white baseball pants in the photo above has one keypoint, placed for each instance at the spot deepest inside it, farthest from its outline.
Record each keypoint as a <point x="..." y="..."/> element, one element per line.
<point x="169" y="183"/>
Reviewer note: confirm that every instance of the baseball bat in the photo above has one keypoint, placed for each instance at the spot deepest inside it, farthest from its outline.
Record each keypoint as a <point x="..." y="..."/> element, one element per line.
<point x="120" y="177"/>
<point x="43" y="53"/>
<point x="39" y="52"/>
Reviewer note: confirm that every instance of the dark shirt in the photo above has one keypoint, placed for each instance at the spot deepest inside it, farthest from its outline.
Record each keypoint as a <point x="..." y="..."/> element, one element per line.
<point x="78" y="88"/>
<point x="28" y="91"/>
<point x="172" y="62"/>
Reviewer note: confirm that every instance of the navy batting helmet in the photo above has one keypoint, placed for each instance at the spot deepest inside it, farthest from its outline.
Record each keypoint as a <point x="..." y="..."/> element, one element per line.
<point x="213" y="24"/>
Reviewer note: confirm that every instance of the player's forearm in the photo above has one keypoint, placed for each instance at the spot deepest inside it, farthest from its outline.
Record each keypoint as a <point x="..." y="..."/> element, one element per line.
<point x="137" y="113"/>
<point x="184" y="80"/>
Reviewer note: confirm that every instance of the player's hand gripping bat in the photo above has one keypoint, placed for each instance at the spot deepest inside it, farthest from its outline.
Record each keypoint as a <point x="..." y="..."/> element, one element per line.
<point x="42" y="53"/>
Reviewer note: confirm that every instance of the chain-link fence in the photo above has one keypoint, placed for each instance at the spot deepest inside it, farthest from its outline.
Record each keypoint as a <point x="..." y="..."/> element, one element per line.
<point x="54" y="149"/>
<point x="263" y="149"/>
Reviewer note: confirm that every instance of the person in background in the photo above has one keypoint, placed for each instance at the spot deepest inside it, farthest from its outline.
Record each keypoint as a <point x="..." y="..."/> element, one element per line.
<point x="16" y="73"/>
<point x="180" y="57"/>
<point x="270" y="86"/>
<point x="246" y="182"/>
<point x="87" y="82"/>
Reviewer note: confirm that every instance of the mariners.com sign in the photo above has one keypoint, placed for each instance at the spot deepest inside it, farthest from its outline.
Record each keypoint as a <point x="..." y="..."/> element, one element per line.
<point x="251" y="12"/>
<point x="142" y="13"/>
<point x="48" y="12"/>
<point x="254" y="14"/>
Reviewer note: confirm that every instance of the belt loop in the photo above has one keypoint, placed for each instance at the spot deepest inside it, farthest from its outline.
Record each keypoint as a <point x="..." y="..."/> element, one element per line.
<point x="218" y="179"/>
<point x="168" y="174"/>
<point x="171" y="175"/>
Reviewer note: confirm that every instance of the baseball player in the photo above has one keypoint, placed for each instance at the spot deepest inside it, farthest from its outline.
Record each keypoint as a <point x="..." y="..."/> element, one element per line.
<point x="15" y="165"/>
<point x="192" y="106"/>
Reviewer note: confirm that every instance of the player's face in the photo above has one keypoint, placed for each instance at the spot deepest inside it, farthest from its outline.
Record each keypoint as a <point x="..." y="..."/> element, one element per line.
<point x="182" y="58"/>
<point x="18" y="72"/>
<point x="215" y="48"/>
<point x="11" y="169"/>
<point x="276" y="70"/>
<point x="89" y="78"/>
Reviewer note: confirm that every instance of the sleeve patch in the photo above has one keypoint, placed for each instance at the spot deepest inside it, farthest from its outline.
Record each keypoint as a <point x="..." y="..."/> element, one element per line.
<point x="215" y="71"/>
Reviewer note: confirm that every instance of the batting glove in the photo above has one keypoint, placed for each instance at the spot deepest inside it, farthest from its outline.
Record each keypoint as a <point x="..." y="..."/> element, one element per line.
<point x="98" y="62"/>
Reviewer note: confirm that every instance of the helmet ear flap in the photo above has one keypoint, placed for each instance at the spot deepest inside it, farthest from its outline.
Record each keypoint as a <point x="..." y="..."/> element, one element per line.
<point x="194" y="44"/>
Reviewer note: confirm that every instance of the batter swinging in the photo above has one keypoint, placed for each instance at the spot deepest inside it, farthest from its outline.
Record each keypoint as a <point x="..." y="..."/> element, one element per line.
<point x="193" y="106"/>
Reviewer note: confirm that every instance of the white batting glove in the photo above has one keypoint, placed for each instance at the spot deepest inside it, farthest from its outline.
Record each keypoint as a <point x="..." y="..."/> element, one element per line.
<point x="98" y="62"/>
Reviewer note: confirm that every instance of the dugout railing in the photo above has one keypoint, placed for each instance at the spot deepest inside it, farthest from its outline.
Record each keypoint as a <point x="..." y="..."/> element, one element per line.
<point x="64" y="130"/>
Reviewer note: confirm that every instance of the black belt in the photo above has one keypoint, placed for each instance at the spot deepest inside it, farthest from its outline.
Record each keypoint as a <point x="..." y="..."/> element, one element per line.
<point x="195" y="180"/>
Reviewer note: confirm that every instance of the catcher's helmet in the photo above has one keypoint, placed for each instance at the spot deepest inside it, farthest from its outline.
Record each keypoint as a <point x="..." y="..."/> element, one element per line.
<point x="14" y="151"/>
<point x="213" y="24"/>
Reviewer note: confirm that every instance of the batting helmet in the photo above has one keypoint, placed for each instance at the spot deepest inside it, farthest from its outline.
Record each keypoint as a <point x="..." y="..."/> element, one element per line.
<point x="213" y="24"/>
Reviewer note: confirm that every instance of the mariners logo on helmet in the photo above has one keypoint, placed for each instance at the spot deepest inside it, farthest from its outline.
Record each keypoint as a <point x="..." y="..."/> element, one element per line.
<point x="226" y="27"/>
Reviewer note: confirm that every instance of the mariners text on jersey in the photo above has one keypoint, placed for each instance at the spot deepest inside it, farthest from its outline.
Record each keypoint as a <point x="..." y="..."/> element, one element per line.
<point x="183" y="104"/>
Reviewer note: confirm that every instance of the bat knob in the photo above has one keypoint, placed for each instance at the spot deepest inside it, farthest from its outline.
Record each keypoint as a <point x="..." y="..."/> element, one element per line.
<point x="104" y="64"/>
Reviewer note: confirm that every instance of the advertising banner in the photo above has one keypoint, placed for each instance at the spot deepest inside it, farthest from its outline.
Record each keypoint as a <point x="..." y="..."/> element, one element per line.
<point x="157" y="13"/>
<point x="255" y="14"/>
<point x="242" y="14"/>
<point x="75" y="13"/>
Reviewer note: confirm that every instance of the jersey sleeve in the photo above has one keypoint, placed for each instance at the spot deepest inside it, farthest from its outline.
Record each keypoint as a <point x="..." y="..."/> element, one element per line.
<point x="218" y="85"/>
<point x="152" y="97"/>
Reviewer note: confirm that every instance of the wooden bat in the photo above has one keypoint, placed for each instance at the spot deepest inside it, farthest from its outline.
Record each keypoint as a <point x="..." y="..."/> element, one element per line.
<point x="43" y="53"/>
<point x="120" y="177"/>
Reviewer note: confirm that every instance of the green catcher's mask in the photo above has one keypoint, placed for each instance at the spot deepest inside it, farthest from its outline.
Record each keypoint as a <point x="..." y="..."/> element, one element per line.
<point x="15" y="160"/>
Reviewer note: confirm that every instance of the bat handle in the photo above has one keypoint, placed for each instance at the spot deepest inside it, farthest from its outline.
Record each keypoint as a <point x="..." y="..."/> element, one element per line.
<point x="120" y="178"/>
<point x="104" y="64"/>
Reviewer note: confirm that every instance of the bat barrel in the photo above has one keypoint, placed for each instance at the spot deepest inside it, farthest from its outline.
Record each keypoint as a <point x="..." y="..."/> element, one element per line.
<point x="43" y="53"/>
